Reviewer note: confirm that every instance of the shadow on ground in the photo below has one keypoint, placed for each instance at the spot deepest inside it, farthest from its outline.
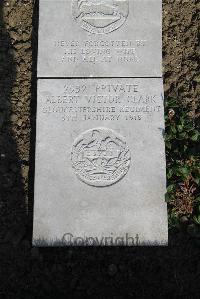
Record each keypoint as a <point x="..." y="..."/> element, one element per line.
<point x="13" y="216"/>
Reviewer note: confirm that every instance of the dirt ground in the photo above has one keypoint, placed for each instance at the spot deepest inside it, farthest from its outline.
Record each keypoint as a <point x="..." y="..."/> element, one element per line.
<point x="27" y="272"/>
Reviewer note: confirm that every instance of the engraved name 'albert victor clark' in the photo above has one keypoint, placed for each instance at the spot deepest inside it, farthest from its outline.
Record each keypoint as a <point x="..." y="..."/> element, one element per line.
<point x="100" y="16"/>
<point x="100" y="157"/>
<point x="123" y="100"/>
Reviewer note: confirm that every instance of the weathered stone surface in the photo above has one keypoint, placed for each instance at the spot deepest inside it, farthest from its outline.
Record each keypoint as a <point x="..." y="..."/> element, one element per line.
<point x="105" y="38"/>
<point x="100" y="162"/>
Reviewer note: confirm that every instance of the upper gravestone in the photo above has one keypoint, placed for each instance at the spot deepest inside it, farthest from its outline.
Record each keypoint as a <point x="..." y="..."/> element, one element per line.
<point x="100" y="38"/>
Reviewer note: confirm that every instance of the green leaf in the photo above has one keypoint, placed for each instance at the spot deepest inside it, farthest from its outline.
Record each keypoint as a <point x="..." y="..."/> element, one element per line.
<point x="173" y="128"/>
<point x="171" y="188"/>
<point x="197" y="180"/>
<point x="197" y="219"/>
<point x="168" y="145"/>
<point x="169" y="173"/>
<point x="184" y="171"/>
<point x="167" y="197"/>
<point x="195" y="135"/>
<point x="183" y="135"/>
<point x="180" y="128"/>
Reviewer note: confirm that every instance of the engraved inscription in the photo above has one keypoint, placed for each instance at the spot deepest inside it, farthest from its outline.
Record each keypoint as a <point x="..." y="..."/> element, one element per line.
<point x="102" y="102"/>
<point x="100" y="157"/>
<point x="100" y="51"/>
<point x="100" y="16"/>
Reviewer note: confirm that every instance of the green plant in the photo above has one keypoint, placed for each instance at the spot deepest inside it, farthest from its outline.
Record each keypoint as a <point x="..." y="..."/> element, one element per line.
<point x="182" y="139"/>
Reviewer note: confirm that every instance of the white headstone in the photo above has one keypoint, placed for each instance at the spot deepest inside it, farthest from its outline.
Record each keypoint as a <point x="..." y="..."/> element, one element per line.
<point x="100" y="162"/>
<point x="104" y="38"/>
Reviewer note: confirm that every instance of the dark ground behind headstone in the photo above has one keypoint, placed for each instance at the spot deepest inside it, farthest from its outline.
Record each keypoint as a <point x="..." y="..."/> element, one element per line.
<point x="27" y="272"/>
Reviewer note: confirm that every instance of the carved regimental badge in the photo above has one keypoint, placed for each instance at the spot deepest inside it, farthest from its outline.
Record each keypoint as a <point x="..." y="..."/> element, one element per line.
<point x="100" y="157"/>
<point x="100" y="16"/>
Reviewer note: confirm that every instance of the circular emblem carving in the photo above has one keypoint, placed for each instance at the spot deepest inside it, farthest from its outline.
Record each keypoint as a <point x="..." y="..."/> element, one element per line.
<point x="100" y="157"/>
<point x="100" y="16"/>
